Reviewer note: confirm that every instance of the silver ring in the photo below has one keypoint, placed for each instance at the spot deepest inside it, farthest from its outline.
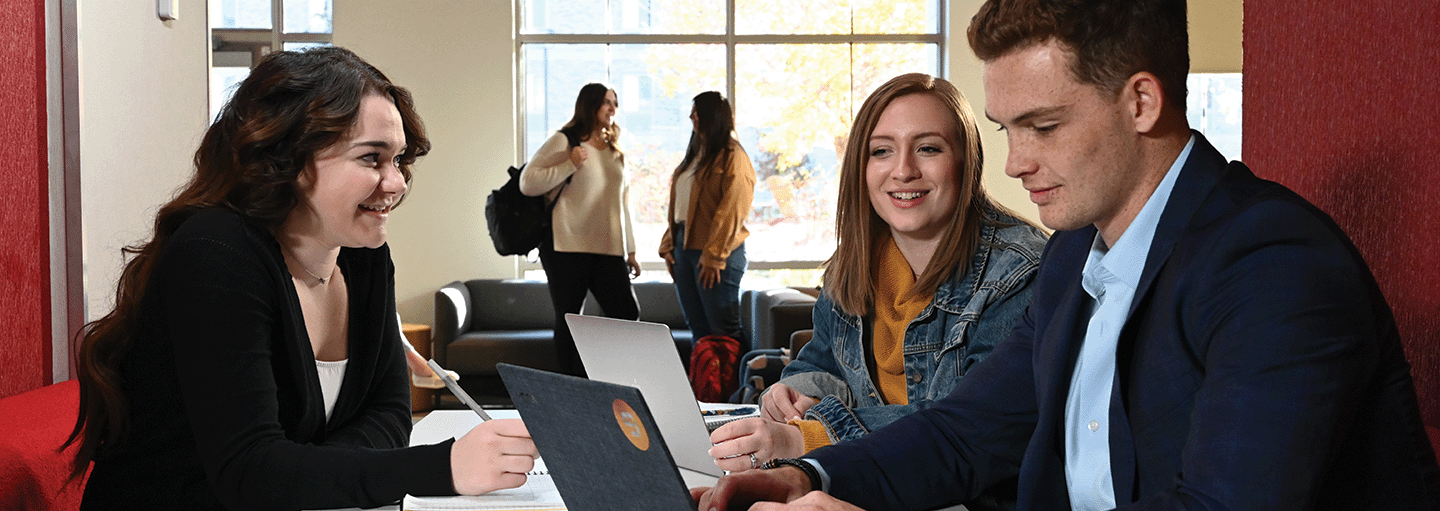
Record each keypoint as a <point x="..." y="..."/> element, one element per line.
<point x="754" y="463"/>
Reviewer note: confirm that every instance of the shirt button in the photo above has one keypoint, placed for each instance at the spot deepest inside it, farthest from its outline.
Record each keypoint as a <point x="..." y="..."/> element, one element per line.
<point x="1094" y="426"/>
<point x="915" y="378"/>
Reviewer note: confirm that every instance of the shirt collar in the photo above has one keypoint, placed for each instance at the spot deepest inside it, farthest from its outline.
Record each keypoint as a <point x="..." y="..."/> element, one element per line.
<point x="1124" y="262"/>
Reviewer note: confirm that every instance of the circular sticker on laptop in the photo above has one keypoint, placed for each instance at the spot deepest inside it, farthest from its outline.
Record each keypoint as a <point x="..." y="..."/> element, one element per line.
<point x="630" y="425"/>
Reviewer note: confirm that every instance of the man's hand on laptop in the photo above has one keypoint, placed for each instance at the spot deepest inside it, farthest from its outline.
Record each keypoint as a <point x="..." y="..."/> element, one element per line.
<point x="741" y="490"/>
<point x="494" y="455"/>
<point x="782" y="403"/>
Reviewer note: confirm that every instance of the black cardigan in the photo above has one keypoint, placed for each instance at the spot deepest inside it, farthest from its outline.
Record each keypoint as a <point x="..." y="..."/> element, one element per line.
<point x="225" y="406"/>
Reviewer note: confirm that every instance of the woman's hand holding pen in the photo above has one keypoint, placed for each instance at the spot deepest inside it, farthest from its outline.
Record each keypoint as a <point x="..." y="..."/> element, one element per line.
<point x="494" y="455"/>
<point x="783" y="404"/>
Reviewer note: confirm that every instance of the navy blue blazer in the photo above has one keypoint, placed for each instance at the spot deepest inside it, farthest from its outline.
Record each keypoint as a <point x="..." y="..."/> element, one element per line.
<point x="1260" y="368"/>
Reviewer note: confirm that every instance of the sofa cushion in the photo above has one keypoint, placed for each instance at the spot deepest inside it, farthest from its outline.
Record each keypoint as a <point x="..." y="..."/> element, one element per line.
<point x="482" y="322"/>
<point x="478" y="352"/>
<point x="776" y="313"/>
<point x="510" y="304"/>
<point x="658" y="304"/>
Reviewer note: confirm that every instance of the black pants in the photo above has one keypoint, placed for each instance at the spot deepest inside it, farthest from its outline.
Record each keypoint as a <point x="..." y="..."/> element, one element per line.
<point x="570" y="276"/>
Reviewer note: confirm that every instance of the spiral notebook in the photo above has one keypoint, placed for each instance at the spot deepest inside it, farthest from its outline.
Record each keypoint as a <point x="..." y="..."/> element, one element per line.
<point x="538" y="494"/>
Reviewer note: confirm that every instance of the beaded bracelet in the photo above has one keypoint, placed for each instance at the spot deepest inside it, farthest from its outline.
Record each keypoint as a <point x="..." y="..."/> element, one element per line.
<point x="803" y="465"/>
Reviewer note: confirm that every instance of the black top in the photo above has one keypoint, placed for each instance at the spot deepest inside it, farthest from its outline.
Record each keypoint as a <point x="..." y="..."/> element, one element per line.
<point x="225" y="405"/>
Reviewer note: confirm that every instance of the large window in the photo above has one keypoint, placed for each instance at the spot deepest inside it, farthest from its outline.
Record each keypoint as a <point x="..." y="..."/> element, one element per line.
<point x="795" y="71"/>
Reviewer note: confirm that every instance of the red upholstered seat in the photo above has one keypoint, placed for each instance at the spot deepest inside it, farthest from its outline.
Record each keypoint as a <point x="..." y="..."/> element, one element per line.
<point x="33" y="471"/>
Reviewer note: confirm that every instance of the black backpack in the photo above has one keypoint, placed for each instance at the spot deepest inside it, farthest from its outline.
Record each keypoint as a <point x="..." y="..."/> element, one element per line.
<point x="518" y="223"/>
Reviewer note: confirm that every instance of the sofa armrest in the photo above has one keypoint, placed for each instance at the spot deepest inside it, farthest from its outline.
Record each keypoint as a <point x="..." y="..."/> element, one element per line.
<point x="799" y="339"/>
<point x="452" y="318"/>
<point x="777" y="313"/>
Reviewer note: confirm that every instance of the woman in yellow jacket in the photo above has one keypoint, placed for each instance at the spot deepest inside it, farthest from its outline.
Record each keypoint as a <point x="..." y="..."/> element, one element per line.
<point x="710" y="196"/>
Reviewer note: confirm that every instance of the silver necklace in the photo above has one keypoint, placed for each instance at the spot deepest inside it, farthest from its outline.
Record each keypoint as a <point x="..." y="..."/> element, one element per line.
<point x="323" y="280"/>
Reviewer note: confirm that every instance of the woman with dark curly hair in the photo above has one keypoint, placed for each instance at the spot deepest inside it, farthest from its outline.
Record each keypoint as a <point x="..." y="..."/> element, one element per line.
<point x="253" y="359"/>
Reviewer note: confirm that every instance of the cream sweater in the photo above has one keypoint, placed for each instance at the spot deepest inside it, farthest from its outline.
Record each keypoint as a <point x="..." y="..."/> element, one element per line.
<point x="592" y="213"/>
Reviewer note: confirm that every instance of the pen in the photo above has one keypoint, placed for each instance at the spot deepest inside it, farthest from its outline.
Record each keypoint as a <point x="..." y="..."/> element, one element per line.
<point x="454" y="387"/>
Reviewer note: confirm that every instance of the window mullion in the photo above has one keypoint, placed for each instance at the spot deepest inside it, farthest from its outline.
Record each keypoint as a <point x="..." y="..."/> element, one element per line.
<point x="730" y="54"/>
<point x="277" y="24"/>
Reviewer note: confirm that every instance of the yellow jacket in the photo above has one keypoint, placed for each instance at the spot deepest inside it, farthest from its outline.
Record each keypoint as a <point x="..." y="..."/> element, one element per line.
<point x="719" y="204"/>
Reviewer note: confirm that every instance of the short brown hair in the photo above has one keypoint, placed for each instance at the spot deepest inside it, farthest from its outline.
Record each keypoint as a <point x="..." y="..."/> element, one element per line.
<point x="1111" y="39"/>
<point x="849" y="279"/>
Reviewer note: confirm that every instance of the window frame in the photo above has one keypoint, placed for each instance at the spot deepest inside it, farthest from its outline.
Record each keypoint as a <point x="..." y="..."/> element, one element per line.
<point x="729" y="40"/>
<point x="227" y="43"/>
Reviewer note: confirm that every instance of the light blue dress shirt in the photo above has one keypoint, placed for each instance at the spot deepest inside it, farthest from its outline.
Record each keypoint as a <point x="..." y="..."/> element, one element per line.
<point x="1110" y="278"/>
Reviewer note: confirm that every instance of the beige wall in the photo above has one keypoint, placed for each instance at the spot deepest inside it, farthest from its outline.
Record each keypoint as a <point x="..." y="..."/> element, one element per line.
<point x="457" y="58"/>
<point x="142" y="112"/>
<point x="963" y="70"/>
<point x="1215" y="36"/>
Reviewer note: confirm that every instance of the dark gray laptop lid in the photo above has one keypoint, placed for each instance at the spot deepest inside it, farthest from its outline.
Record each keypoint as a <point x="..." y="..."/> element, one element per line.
<point x="599" y="441"/>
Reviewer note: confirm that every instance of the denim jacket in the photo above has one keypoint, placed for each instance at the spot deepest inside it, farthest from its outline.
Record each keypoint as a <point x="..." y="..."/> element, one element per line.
<point x="969" y="315"/>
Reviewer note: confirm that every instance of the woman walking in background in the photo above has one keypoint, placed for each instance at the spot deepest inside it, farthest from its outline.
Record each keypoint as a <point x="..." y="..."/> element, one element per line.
<point x="253" y="359"/>
<point x="710" y="196"/>
<point x="592" y="247"/>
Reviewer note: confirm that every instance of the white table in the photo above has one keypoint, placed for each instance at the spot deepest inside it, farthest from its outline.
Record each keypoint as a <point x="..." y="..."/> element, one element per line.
<point x="442" y="425"/>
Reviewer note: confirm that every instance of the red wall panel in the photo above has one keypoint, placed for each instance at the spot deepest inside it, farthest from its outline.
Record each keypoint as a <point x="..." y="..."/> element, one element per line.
<point x="24" y="232"/>
<point x="1341" y="103"/>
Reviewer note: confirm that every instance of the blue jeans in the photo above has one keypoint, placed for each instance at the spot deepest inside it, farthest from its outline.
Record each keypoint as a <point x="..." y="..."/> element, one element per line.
<point x="713" y="311"/>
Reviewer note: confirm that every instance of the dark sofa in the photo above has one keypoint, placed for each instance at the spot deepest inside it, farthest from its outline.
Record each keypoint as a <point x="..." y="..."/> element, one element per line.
<point x="484" y="321"/>
<point x="481" y="322"/>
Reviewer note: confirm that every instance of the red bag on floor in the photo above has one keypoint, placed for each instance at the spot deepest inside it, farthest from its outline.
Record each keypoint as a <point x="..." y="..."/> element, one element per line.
<point x="713" y="368"/>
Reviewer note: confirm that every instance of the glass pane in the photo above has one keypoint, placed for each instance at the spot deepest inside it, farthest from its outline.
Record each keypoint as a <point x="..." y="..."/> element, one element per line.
<point x="554" y="74"/>
<point x="301" y="46"/>
<point x="563" y="17"/>
<point x="840" y="17"/>
<point x="623" y="16"/>
<point x="794" y="105"/>
<point x="240" y="14"/>
<point x="307" y="16"/>
<point x="792" y="17"/>
<point x="667" y="17"/>
<point x="877" y="63"/>
<point x="1213" y="108"/>
<point x="896" y="16"/>
<point x="223" y="81"/>
<point x="655" y="85"/>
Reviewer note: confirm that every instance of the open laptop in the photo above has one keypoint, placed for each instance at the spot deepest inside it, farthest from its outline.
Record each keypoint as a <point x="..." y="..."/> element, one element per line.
<point x="599" y="442"/>
<point x="642" y="355"/>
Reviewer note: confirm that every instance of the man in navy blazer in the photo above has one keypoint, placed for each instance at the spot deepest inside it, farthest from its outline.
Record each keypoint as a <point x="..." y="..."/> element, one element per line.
<point x="1199" y="338"/>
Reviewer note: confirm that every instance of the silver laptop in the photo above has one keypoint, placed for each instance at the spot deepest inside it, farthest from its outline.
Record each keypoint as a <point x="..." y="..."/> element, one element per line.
<point x="642" y="355"/>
